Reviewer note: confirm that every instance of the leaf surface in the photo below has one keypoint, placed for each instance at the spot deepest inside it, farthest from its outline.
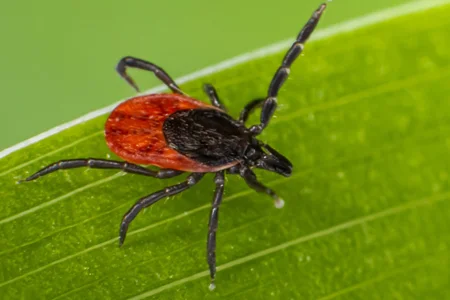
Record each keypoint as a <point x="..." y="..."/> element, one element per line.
<point x="365" y="119"/>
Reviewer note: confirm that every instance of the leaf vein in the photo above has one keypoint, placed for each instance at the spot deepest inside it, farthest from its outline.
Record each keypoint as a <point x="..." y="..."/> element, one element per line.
<point x="318" y="234"/>
<point x="435" y="260"/>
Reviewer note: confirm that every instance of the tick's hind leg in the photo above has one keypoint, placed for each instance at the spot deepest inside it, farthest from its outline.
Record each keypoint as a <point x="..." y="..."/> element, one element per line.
<point x="152" y="198"/>
<point x="137" y="63"/>
<point x="102" y="164"/>
<point x="212" y="226"/>
<point x="251" y="180"/>
<point x="213" y="97"/>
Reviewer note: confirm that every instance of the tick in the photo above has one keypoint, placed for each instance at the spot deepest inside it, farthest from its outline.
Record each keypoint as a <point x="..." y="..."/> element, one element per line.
<point x="180" y="134"/>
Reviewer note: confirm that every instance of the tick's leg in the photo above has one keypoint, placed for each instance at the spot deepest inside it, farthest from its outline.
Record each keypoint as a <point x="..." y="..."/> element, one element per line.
<point x="212" y="226"/>
<point x="252" y="181"/>
<point x="212" y="95"/>
<point x="236" y="169"/>
<point x="152" y="198"/>
<point x="270" y="103"/>
<point x="103" y="164"/>
<point x="249" y="108"/>
<point x="137" y="63"/>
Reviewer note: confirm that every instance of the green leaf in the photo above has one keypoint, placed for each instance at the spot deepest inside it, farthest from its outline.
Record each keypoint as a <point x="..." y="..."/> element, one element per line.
<point x="365" y="119"/>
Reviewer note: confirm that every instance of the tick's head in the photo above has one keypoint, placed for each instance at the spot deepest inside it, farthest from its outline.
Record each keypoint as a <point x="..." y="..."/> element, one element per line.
<point x="265" y="157"/>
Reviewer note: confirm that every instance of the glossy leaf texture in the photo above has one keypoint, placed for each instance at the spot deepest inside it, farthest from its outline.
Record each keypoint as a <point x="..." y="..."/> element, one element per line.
<point x="365" y="119"/>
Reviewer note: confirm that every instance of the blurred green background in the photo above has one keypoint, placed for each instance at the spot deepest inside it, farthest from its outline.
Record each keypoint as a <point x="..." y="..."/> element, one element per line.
<point x="58" y="57"/>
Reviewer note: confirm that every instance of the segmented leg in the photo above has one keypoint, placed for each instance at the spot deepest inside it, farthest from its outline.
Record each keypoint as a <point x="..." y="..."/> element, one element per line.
<point x="234" y="169"/>
<point x="270" y="103"/>
<point x="103" y="164"/>
<point x="137" y="63"/>
<point x="213" y="97"/>
<point x="212" y="226"/>
<point x="252" y="181"/>
<point x="277" y="154"/>
<point x="249" y="108"/>
<point x="152" y="198"/>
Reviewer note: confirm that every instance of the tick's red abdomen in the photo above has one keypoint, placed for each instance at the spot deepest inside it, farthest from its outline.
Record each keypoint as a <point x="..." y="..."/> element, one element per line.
<point x="134" y="131"/>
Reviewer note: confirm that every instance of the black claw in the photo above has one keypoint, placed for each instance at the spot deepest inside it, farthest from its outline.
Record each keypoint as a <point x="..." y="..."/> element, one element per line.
<point x="130" y="81"/>
<point x="136" y="88"/>
<point x="30" y="178"/>
<point x="122" y="233"/>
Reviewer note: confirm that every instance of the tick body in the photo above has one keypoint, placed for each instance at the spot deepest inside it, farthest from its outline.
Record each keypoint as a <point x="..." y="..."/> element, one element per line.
<point x="141" y="130"/>
<point x="180" y="135"/>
